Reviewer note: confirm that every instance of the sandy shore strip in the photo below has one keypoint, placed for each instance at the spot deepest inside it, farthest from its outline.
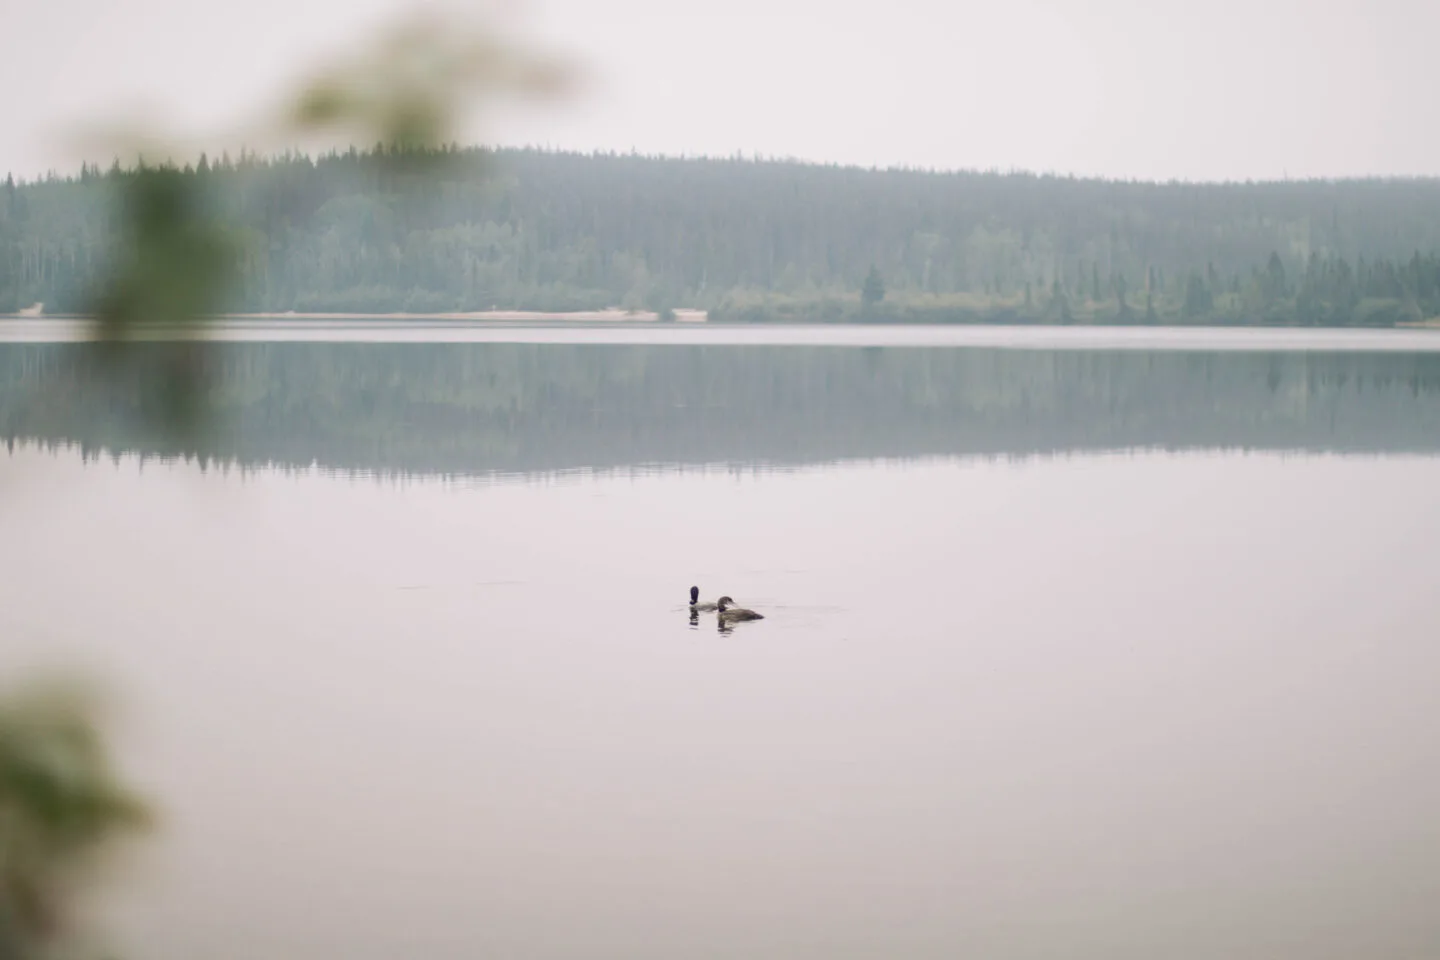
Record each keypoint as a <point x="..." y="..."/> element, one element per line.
<point x="481" y="316"/>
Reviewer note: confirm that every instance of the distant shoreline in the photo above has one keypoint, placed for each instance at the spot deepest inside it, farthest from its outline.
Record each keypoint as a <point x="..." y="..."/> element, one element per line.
<point x="686" y="316"/>
<point x="510" y="316"/>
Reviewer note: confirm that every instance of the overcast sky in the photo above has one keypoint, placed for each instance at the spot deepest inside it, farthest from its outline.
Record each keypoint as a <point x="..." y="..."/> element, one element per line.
<point x="1154" y="89"/>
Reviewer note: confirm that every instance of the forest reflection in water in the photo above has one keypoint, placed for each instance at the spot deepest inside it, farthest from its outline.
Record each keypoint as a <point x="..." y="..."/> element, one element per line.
<point x="508" y="408"/>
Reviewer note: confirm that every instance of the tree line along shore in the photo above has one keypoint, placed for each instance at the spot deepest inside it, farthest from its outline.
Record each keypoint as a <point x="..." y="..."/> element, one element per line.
<point x="531" y="234"/>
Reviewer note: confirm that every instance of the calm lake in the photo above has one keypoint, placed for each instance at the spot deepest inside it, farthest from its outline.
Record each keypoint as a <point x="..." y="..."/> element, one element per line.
<point x="1077" y="644"/>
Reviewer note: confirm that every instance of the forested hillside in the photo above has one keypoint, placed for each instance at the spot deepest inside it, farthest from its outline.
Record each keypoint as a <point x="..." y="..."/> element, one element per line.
<point x="761" y="240"/>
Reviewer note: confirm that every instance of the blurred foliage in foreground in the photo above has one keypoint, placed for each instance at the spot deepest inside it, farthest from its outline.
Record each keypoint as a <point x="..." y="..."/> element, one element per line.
<point x="172" y="258"/>
<point x="171" y="262"/>
<point x="62" y="808"/>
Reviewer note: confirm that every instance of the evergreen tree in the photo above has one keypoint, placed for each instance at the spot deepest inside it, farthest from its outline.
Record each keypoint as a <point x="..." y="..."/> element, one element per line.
<point x="874" y="289"/>
<point x="1198" y="301"/>
<point x="1274" y="279"/>
<point x="1123" y="313"/>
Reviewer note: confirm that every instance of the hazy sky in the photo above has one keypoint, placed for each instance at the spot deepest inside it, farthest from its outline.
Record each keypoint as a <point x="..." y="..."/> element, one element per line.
<point x="1154" y="89"/>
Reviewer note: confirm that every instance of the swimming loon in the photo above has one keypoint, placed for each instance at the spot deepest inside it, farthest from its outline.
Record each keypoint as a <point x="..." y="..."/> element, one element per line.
<point x="698" y="607"/>
<point x="729" y="613"/>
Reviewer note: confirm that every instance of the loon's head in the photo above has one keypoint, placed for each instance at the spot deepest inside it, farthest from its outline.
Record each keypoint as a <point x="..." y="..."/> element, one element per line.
<point x="694" y="596"/>
<point x="724" y="602"/>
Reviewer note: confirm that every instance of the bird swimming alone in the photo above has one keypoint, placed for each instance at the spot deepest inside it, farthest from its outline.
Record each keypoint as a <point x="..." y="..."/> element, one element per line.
<point x="728" y="613"/>
<point x="696" y="606"/>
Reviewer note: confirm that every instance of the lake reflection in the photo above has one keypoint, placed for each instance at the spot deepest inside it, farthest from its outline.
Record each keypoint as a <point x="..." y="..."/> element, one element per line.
<point x="1065" y="654"/>
<point x="485" y="409"/>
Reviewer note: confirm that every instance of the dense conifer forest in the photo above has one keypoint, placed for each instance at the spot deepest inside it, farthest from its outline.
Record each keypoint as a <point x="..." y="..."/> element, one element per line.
<point x="757" y="240"/>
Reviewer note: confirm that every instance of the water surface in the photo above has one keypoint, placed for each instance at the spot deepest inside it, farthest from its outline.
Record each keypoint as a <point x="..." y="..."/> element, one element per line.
<point x="1098" y="652"/>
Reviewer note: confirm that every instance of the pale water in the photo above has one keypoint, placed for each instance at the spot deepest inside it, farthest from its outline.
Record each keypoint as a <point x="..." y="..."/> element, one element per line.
<point x="1120" y="651"/>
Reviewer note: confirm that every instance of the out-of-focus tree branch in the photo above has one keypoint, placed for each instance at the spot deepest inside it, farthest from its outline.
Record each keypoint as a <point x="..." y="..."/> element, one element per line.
<point x="410" y="90"/>
<point x="61" y="805"/>
<point x="417" y="83"/>
<point x="62" y="809"/>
